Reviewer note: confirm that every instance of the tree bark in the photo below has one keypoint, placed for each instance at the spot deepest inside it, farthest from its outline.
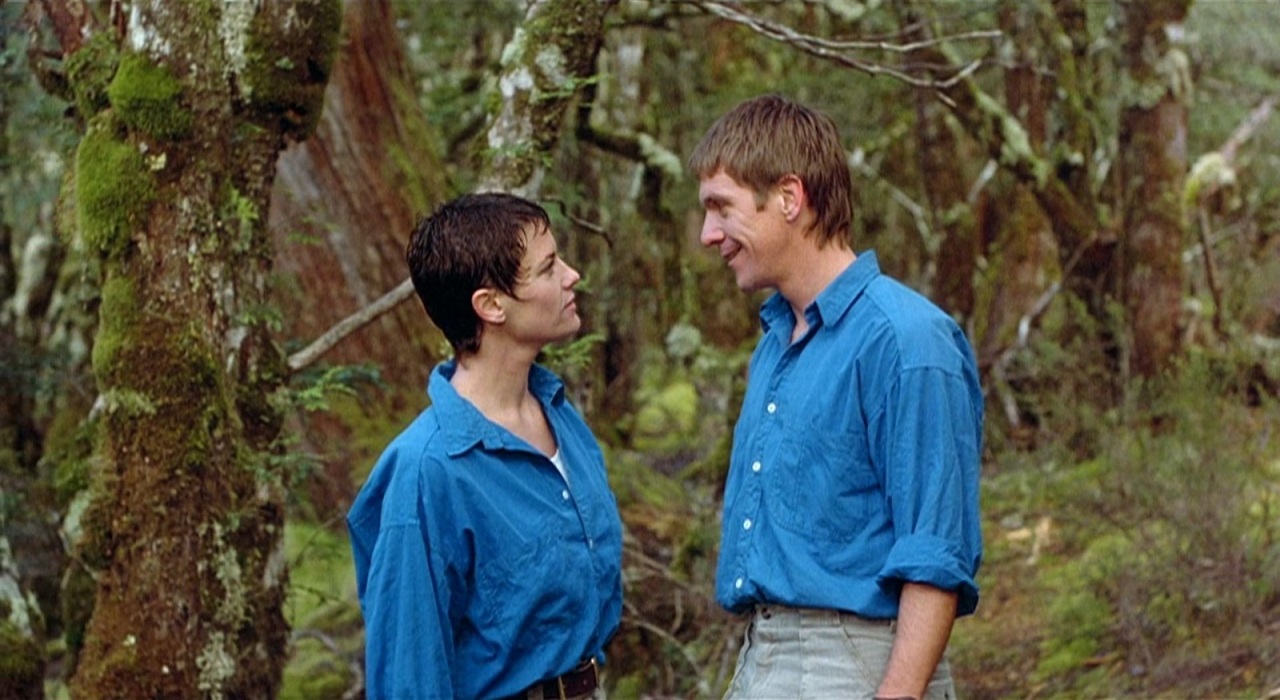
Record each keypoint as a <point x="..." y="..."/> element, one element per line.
<point x="1018" y="234"/>
<point x="550" y="57"/>
<point x="186" y="107"/>
<point x="1153" y="147"/>
<point x="345" y="200"/>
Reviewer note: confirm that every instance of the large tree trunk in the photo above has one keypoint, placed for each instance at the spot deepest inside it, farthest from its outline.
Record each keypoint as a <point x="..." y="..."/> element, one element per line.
<point x="342" y="208"/>
<point x="1153" y="151"/>
<point x="1018" y="235"/>
<point x="187" y="106"/>
<point x="345" y="201"/>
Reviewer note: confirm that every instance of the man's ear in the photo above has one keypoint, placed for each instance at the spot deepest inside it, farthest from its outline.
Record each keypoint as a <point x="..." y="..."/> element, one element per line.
<point x="487" y="303"/>
<point x="794" y="198"/>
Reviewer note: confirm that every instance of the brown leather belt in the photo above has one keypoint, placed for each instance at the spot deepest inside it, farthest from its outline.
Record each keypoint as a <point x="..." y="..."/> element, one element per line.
<point x="581" y="680"/>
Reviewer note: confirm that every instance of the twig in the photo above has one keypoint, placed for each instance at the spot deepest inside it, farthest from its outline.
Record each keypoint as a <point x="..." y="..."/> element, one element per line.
<point x="349" y="325"/>
<point x="916" y="210"/>
<point x="1256" y="118"/>
<point x="830" y="50"/>
<point x="1242" y="133"/>
<point x="1210" y="272"/>
<point x="580" y="222"/>
<point x="635" y="619"/>
<point x="999" y="368"/>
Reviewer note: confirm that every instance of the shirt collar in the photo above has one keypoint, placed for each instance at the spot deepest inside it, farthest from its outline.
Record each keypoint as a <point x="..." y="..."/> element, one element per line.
<point x="463" y="426"/>
<point x="831" y="303"/>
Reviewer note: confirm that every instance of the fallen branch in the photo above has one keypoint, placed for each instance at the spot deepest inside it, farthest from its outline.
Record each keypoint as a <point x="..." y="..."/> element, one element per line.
<point x="349" y="325"/>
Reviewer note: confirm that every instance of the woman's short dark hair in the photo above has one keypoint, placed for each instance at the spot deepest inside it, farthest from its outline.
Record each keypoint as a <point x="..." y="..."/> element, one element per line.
<point x="469" y="243"/>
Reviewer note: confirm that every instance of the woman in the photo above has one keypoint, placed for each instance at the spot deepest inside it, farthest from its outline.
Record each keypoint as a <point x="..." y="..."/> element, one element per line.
<point x="487" y="543"/>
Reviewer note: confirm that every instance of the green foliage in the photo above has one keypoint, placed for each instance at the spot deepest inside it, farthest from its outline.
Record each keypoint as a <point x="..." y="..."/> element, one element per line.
<point x="312" y="390"/>
<point x="322" y="610"/>
<point x="1164" y="543"/>
<point x="666" y="419"/>
<point x="321" y="579"/>
<point x="569" y="359"/>
<point x="114" y="189"/>
<point x="148" y="97"/>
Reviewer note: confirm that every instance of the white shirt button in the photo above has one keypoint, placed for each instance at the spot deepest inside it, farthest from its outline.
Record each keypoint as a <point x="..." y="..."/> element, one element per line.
<point x="737" y="584"/>
<point x="565" y="494"/>
<point x="746" y="524"/>
<point x="755" y="466"/>
<point x="772" y="407"/>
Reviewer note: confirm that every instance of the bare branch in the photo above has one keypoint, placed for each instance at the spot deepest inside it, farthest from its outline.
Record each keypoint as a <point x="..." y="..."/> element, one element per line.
<point x="1256" y="118"/>
<point x="999" y="367"/>
<point x="832" y="50"/>
<point x="350" y="325"/>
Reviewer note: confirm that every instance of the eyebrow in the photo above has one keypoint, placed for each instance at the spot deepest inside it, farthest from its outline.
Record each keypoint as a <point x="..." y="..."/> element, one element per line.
<point x="714" y="199"/>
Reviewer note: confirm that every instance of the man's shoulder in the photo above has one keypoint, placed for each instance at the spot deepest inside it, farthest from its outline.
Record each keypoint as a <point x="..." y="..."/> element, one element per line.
<point x="912" y="322"/>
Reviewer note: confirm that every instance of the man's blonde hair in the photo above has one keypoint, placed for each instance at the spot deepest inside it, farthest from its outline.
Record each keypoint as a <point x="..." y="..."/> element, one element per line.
<point x="769" y="137"/>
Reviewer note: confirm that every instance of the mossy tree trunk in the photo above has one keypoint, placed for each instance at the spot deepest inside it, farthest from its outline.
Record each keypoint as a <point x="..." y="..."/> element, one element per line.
<point x="1019" y="244"/>
<point x="945" y="183"/>
<point x="1153" y="146"/>
<point x="186" y="106"/>
<point x="552" y="55"/>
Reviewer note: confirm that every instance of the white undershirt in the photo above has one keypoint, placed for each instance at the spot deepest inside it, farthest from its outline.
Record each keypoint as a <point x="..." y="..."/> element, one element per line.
<point x="556" y="460"/>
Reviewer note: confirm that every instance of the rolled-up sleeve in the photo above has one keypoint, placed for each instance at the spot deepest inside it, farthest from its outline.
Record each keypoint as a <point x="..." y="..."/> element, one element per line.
<point x="931" y="461"/>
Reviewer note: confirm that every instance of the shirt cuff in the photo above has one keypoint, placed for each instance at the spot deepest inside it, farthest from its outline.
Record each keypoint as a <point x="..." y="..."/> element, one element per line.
<point x="933" y="561"/>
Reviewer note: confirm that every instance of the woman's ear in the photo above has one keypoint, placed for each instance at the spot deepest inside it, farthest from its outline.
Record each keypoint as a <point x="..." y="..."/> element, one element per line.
<point x="487" y="303"/>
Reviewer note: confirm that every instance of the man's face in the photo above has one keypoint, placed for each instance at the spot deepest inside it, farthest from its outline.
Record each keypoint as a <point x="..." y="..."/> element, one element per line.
<point x="749" y="235"/>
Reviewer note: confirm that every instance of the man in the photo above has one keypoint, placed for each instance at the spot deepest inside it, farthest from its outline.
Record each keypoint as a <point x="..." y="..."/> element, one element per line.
<point x="488" y="547"/>
<point x="851" y="530"/>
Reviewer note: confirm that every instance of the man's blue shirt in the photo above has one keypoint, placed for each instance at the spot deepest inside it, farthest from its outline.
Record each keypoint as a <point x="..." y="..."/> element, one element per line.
<point x="856" y="455"/>
<point x="479" y="570"/>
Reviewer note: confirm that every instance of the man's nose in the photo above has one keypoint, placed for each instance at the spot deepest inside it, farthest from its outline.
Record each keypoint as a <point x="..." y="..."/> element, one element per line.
<point x="711" y="233"/>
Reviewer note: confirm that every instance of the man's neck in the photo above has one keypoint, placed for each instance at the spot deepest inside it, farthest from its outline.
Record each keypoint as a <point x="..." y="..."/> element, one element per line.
<point x="812" y="271"/>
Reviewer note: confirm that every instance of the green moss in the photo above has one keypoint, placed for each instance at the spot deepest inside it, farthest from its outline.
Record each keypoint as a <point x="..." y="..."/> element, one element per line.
<point x="21" y="663"/>
<point x="667" y="420"/>
<point x="119" y="314"/>
<point x="114" y="188"/>
<point x="286" y="72"/>
<point x="77" y="598"/>
<point x="636" y="484"/>
<point x="90" y="70"/>
<point x="69" y="446"/>
<point x="148" y="97"/>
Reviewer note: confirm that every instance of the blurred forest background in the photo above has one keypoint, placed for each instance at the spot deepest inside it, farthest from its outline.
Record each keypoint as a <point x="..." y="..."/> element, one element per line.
<point x="206" y="339"/>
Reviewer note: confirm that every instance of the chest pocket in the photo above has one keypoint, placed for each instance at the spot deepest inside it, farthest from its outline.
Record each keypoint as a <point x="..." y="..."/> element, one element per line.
<point x="823" y="485"/>
<point x="532" y="579"/>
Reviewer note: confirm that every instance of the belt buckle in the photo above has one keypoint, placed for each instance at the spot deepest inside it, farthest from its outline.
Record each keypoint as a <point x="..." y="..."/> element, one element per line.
<point x="562" y="692"/>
